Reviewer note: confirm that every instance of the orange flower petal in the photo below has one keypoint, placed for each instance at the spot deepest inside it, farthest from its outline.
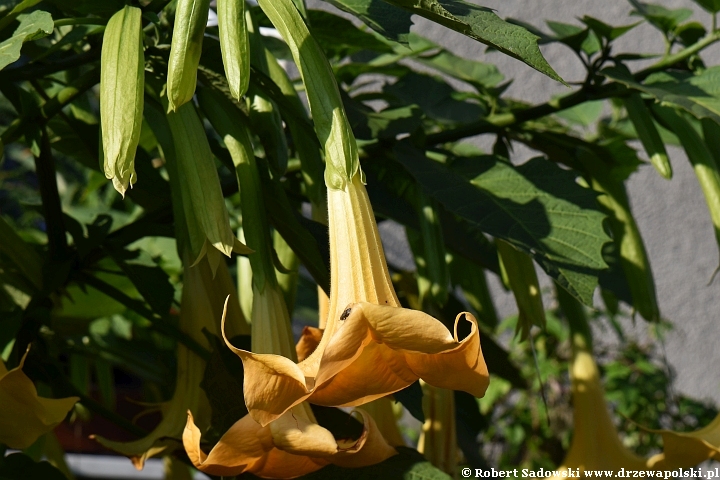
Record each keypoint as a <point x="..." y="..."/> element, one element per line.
<point x="291" y="446"/>
<point x="309" y="341"/>
<point x="397" y="345"/>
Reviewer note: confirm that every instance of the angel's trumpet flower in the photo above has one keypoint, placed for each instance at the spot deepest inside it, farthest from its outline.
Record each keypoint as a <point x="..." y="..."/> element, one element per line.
<point x="292" y="445"/>
<point x="24" y="415"/>
<point x="371" y="347"/>
<point x="596" y="444"/>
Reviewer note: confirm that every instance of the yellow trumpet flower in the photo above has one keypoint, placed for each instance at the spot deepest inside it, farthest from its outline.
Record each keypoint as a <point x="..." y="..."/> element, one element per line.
<point x="596" y="445"/>
<point x="24" y="415"/>
<point x="199" y="307"/>
<point x="293" y="444"/>
<point x="371" y="347"/>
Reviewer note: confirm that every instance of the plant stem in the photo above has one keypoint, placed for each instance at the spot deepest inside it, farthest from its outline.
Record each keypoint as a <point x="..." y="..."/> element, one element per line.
<point x="495" y="123"/>
<point x="52" y="207"/>
<point x="35" y="71"/>
<point x="62" y="22"/>
<point x="683" y="54"/>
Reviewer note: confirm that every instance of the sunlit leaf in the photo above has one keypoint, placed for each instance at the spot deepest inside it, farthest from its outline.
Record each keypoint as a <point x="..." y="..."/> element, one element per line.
<point x="538" y="207"/>
<point x="32" y="26"/>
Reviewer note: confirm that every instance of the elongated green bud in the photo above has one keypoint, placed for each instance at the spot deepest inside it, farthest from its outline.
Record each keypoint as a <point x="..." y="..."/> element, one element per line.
<point x="331" y="123"/>
<point x="226" y="120"/>
<point x="271" y="329"/>
<point x="626" y="235"/>
<point x="700" y="156"/>
<point x="234" y="45"/>
<point x="190" y="19"/>
<point x="199" y="184"/>
<point x="523" y="281"/>
<point x="648" y="134"/>
<point x="268" y="125"/>
<point x="122" y="79"/>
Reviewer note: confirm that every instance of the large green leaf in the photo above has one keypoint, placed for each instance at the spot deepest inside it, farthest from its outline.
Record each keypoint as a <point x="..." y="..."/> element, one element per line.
<point x="712" y="6"/>
<point x="699" y="95"/>
<point x="481" y="24"/>
<point x="391" y="22"/>
<point x="33" y="26"/>
<point x="537" y="206"/>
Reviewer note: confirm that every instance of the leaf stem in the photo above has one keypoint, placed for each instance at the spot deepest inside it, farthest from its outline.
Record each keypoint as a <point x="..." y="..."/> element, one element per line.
<point x="683" y="54"/>
<point x="35" y="71"/>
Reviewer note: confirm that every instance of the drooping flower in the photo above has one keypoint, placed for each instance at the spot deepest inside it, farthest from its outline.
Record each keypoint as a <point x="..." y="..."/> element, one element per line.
<point x="371" y="347"/>
<point x="293" y="444"/>
<point x="24" y="415"/>
<point x="596" y="444"/>
<point x="199" y="309"/>
<point x="381" y="410"/>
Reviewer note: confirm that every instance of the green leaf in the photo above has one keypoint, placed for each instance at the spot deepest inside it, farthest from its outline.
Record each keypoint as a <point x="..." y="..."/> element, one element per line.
<point x="607" y="31"/>
<point x="389" y="21"/>
<point x="664" y="19"/>
<point x="394" y="121"/>
<point x="699" y="95"/>
<point x="712" y="6"/>
<point x="584" y="114"/>
<point x="690" y="33"/>
<point x="36" y="25"/>
<point x="479" y="74"/>
<point x="537" y="206"/>
<point x="435" y="97"/>
<point x="338" y="36"/>
<point x="153" y="284"/>
<point x="481" y="24"/>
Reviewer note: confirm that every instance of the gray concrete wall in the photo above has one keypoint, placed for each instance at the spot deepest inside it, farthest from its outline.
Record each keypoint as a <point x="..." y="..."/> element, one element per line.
<point x="672" y="215"/>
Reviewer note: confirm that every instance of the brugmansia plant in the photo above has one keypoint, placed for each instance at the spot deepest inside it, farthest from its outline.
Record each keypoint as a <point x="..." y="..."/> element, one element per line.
<point x="225" y="301"/>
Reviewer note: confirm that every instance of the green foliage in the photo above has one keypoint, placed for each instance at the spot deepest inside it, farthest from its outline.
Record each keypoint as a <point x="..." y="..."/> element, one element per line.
<point x="32" y="26"/>
<point x="91" y="280"/>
